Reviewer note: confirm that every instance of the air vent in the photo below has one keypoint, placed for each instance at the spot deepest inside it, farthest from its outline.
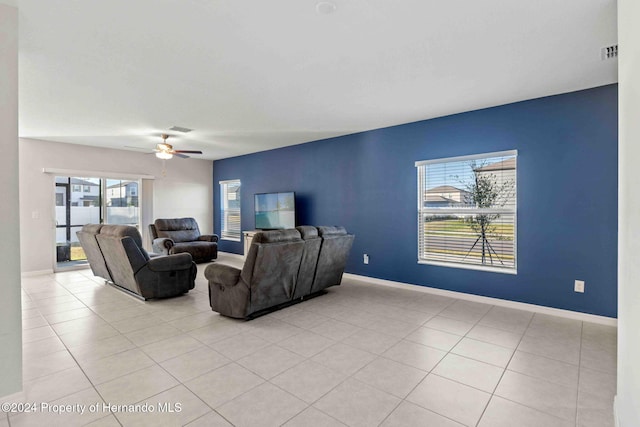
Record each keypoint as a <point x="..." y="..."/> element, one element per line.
<point x="180" y="129"/>
<point x="609" y="52"/>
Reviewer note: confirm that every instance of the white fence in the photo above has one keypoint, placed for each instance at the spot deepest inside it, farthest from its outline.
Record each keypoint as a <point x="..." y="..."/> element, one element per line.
<point x="81" y="215"/>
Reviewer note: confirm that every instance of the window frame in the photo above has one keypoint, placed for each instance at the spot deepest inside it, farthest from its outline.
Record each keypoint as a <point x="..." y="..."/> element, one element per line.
<point x="225" y="233"/>
<point x="421" y="170"/>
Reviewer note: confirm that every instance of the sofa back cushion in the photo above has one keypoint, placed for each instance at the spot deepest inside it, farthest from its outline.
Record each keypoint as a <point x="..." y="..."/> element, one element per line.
<point x="309" y="261"/>
<point x="271" y="267"/>
<point x="332" y="260"/>
<point x="87" y="238"/>
<point x="178" y="229"/>
<point x="123" y="258"/>
<point x="125" y="231"/>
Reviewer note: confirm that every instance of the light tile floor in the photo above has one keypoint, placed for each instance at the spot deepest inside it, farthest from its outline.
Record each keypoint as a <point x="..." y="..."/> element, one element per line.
<point x="362" y="355"/>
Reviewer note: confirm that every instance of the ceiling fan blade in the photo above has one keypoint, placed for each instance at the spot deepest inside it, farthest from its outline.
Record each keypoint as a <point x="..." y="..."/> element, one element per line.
<point x="188" y="151"/>
<point x="182" y="156"/>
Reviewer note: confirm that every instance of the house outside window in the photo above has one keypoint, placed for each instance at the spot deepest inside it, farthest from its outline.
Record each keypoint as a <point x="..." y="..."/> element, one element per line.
<point x="230" y="210"/>
<point x="467" y="211"/>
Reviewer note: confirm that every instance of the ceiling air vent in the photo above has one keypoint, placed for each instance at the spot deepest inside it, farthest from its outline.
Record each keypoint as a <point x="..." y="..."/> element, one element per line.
<point x="180" y="129"/>
<point x="609" y="52"/>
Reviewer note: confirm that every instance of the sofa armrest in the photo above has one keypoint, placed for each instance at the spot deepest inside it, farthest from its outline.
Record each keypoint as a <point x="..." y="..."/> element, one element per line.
<point x="181" y="261"/>
<point x="162" y="245"/>
<point x="221" y="274"/>
<point x="208" y="237"/>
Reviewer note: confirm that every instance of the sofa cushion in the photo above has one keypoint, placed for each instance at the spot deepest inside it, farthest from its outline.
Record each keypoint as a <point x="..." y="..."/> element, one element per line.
<point x="122" y="231"/>
<point x="307" y="232"/>
<point x="275" y="236"/>
<point x="333" y="256"/>
<point x="178" y="229"/>
<point x="327" y="231"/>
<point x="198" y="250"/>
<point x="92" y="228"/>
<point x="309" y="261"/>
<point x="87" y="237"/>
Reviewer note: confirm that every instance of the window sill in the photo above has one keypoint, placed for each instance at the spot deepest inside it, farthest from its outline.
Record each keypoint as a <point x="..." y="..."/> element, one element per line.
<point x="229" y="239"/>
<point x="471" y="267"/>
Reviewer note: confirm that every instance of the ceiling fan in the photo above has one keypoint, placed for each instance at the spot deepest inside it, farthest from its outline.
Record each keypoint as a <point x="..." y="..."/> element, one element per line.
<point x="165" y="151"/>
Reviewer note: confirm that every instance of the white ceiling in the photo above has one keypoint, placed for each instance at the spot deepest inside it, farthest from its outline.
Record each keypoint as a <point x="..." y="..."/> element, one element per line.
<point x="253" y="75"/>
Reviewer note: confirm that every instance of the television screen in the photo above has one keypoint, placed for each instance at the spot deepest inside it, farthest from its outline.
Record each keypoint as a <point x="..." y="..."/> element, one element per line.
<point x="275" y="210"/>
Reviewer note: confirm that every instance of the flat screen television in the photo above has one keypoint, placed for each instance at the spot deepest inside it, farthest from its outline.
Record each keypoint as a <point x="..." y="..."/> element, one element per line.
<point x="275" y="211"/>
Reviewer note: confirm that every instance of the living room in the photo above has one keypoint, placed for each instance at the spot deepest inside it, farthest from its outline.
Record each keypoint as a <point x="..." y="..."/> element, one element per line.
<point x="575" y="164"/>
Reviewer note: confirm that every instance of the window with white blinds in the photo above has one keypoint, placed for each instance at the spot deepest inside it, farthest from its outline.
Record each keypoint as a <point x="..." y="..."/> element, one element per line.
<point x="467" y="211"/>
<point x="230" y="210"/>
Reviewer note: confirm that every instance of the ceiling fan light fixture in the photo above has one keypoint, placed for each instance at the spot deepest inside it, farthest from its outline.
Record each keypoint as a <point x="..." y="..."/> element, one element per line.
<point x="164" y="155"/>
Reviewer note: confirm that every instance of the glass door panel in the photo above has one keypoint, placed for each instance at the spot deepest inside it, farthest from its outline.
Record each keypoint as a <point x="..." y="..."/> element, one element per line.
<point x="121" y="202"/>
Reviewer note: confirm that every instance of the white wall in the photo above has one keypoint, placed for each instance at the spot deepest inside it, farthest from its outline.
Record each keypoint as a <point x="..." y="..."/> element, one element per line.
<point x="628" y="398"/>
<point x="186" y="190"/>
<point x="10" y="305"/>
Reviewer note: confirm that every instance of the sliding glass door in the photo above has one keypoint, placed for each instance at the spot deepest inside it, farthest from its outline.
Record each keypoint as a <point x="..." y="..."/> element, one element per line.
<point x="90" y="200"/>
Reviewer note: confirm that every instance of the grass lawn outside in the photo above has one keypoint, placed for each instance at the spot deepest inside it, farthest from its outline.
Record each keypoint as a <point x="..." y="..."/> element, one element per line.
<point x="460" y="226"/>
<point x="77" y="253"/>
<point x="452" y="239"/>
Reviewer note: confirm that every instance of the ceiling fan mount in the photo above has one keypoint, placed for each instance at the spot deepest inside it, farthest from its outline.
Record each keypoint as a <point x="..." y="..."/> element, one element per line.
<point x="165" y="151"/>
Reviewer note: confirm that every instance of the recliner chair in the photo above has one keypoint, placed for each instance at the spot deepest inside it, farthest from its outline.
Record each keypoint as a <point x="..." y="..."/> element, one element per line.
<point x="332" y="260"/>
<point x="179" y="235"/>
<point x="309" y="262"/>
<point x="130" y="267"/>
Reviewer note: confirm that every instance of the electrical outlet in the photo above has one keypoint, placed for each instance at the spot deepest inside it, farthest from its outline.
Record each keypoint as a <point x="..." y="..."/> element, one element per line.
<point x="365" y="259"/>
<point x="579" y="286"/>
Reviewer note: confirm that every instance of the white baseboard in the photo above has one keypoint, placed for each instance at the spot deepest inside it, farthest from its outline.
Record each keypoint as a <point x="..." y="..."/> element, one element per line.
<point x="603" y="320"/>
<point x="36" y="273"/>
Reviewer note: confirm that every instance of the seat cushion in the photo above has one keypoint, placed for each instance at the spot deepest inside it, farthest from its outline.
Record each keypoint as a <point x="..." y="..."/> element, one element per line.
<point x="200" y="251"/>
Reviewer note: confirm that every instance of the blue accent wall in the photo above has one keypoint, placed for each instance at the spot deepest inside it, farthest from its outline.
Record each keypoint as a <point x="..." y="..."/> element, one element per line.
<point x="567" y="195"/>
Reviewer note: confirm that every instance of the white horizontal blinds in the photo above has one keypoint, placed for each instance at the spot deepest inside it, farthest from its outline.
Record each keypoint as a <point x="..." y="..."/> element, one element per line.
<point x="467" y="211"/>
<point x="230" y="209"/>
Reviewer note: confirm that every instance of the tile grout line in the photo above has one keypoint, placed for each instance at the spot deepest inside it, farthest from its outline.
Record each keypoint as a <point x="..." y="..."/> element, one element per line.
<point x="79" y="366"/>
<point x="504" y="370"/>
<point x="430" y="372"/>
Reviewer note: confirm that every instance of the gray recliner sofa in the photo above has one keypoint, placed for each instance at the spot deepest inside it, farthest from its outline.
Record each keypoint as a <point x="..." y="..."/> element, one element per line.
<point x="281" y="268"/>
<point x="129" y="266"/>
<point x="179" y="235"/>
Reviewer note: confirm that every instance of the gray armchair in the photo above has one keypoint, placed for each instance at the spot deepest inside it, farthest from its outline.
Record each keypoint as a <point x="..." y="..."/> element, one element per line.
<point x="131" y="268"/>
<point x="180" y="235"/>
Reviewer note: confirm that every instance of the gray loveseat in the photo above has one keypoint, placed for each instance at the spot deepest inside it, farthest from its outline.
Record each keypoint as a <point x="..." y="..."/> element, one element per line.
<point x="115" y="253"/>
<point x="179" y="235"/>
<point x="282" y="267"/>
